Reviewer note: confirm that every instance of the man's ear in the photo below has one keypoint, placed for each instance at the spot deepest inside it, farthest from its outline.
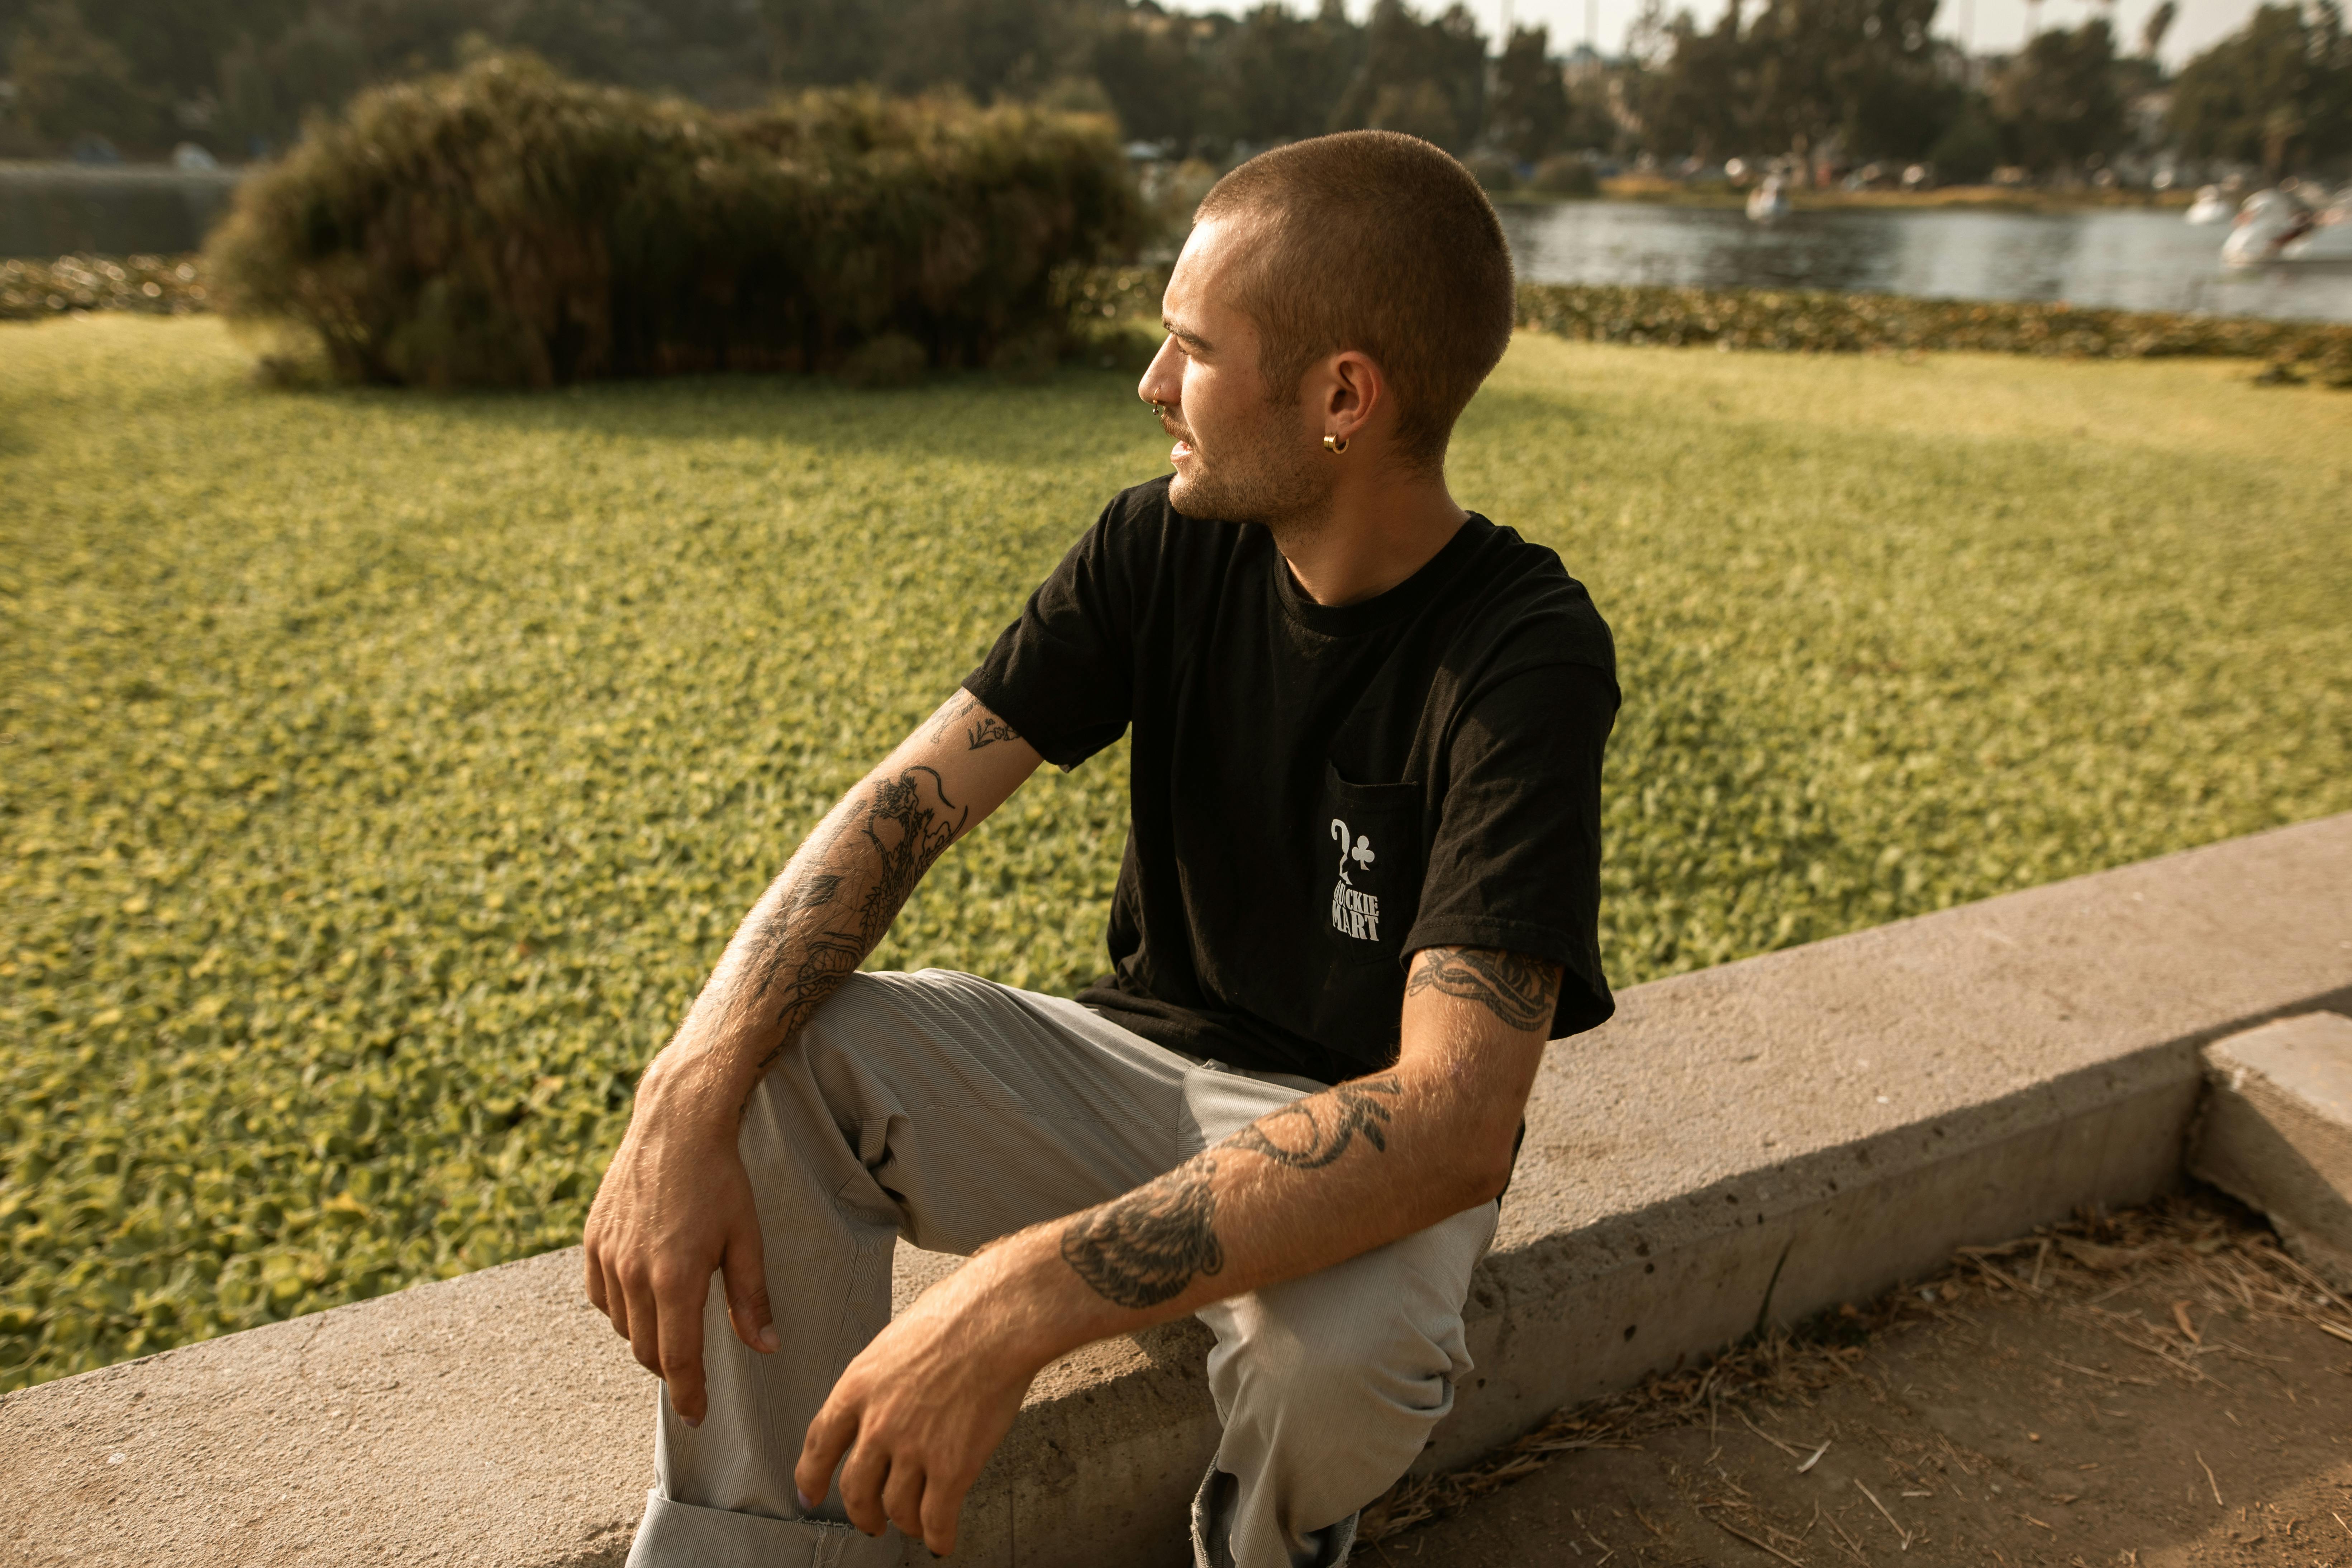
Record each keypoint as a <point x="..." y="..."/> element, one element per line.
<point x="1354" y="394"/>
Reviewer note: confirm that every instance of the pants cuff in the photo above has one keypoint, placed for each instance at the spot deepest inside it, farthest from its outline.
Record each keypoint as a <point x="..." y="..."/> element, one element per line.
<point x="1213" y="1522"/>
<point x="681" y="1535"/>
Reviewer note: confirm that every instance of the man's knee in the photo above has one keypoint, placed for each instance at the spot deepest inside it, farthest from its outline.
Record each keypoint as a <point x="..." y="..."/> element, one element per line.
<point x="1377" y="1342"/>
<point x="1336" y="1362"/>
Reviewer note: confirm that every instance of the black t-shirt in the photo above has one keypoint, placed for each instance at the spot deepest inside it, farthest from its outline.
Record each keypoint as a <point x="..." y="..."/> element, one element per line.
<point x="1319" y="791"/>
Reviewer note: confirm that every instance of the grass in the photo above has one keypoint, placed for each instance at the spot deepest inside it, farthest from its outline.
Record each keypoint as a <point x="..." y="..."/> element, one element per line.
<point x="381" y="773"/>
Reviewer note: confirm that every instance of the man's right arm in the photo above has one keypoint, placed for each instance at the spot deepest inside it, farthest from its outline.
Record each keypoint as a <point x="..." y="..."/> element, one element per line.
<point x="675" y="1203"/>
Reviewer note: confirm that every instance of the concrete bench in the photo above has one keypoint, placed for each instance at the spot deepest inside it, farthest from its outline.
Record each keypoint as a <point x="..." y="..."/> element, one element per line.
<point x="1746" y="1145"/>
<point x="2277" y="1133"/>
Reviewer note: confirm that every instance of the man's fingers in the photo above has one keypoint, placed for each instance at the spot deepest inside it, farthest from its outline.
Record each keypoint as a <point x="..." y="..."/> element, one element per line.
<point x="591" y="1276"/>
<point x="747" y="1291"/>
<point x="942" y="1504"/>
<point x="829" y="1436"/>
<point x="680" y="1343"/>
<point x="604" y="1289"/>
<point x="862" y="1475"/>
<point x="902" y="1497"/>
<point x="642" y="1320"/>
<point x="616" y="1300"/>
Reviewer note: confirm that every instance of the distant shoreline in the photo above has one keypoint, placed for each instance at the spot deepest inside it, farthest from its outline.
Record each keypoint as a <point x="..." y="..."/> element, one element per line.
<point x="1959" y="199"/>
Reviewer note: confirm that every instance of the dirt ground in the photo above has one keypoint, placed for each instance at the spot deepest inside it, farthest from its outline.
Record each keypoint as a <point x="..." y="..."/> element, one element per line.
<point x="2161" y="1388"/>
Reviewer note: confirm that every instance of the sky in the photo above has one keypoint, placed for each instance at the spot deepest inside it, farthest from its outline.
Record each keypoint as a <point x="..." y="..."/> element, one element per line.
<point x="1992" y="26"/>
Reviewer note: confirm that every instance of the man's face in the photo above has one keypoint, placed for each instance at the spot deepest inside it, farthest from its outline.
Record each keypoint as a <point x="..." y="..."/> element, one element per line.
<point x="1243" y="451"/>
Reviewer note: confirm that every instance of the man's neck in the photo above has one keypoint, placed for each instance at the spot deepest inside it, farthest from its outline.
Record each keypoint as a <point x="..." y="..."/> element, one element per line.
<point x="1374" y="535"/>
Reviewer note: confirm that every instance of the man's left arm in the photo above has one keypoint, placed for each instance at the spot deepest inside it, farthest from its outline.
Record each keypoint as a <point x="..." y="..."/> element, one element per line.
<point x="1315" y="1183"/>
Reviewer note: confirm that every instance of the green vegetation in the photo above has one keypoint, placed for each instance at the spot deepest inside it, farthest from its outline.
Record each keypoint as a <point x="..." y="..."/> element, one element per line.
<point x="1802" y="321"/>
<point x="1100" y="309"/>
<point x="163" y="285"/>
<point x="503" y="227"/>
<point x="384" y="771"/>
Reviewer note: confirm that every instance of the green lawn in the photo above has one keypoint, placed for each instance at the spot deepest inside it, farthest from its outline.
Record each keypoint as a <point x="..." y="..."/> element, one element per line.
<point x="382" y="771"/>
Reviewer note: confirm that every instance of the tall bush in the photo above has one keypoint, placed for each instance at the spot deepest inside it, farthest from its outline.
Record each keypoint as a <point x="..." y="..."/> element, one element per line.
<point x="504" y="226"/>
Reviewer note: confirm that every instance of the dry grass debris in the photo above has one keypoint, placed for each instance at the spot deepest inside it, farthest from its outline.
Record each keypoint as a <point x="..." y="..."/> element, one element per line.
<point x="2208" y="1263"/>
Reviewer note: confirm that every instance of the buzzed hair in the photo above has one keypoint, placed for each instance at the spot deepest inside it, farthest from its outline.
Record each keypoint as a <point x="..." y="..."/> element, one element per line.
<point x="1375" y="241"/>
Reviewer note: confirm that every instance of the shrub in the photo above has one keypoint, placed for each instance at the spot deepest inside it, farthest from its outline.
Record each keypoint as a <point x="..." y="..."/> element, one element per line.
<point x="894" y="359"/>
<point x="161" y="285"/>
<point x="1493" y="171"/>
<point x="506" y="226"/>
<point x="1797" y="319"/>
<point x="1566" y="175"/>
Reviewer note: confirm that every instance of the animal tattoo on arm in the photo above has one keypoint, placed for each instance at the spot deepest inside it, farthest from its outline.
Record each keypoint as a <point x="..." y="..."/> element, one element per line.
<point x="1518" y="991"/>
<point x="829" y="919"/>
<point x="1146" y="1247"/>
<point x="984" y="731"/>
<point x="1149" y="1247"/>
<point x="1308" y="1134"/>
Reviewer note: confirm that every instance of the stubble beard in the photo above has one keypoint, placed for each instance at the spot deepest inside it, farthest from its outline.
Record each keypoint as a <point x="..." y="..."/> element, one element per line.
<point x="1259" y="473"/>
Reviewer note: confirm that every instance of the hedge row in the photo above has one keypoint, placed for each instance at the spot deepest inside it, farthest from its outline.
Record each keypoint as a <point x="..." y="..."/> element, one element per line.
<point x="1083" y="298"/>
<point x="1796" y="320"/>
<point x="504" y="226"/>
<point x="163" y="285"/>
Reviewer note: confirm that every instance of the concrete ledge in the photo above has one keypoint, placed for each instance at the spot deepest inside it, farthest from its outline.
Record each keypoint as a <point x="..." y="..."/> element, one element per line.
<point x="1750" y="1143"/>
<point x="2277" y="1133"/>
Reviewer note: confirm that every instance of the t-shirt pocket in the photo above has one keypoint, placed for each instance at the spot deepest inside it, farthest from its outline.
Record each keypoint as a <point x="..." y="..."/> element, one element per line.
<point x="1373" y="857"/>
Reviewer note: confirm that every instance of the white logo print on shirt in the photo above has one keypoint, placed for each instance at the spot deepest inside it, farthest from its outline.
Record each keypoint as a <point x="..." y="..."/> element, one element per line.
<point x="1354" y="912"/>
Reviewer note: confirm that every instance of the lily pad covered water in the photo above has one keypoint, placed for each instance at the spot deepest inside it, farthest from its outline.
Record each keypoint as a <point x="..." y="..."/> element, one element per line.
<point x="381" y="773"/>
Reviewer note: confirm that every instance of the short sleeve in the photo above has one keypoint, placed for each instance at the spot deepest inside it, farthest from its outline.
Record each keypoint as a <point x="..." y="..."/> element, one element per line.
<point x="1515" y="860"/>
<point x="1063" y="675"/>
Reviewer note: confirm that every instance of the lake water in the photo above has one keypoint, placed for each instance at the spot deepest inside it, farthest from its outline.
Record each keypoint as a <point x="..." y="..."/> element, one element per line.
<point x="2134" y="260"/>
<point x="49" y="209"/>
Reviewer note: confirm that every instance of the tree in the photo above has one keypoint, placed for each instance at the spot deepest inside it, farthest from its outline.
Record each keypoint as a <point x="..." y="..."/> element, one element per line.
<point x="2279" y="92"/>
<point x="71" y="82"/>
<point x="1856" y="72"/>
<point x="1969" y="149"/>
<point x="1425" y="78"/>
<point x="1697" y="102"/>
<point x="1529" y="116"/>
<point x="1863" y="75"/>
<point x="1287" y="74"/>
<point x="2058" y="100"/>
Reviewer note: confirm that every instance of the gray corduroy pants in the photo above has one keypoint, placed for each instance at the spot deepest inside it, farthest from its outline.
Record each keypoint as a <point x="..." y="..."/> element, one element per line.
<point x="951" y="1111"/>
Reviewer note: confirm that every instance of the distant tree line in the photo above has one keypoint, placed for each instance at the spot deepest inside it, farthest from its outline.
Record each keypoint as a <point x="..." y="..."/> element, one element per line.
<point x="1866" y="77"/>
<point x="1806" y="81"/>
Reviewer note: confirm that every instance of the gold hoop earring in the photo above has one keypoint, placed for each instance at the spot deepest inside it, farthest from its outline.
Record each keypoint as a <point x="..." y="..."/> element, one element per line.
<point x="1335" y="445"/>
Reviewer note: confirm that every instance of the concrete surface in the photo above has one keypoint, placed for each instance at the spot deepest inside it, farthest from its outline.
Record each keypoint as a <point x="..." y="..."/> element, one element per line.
<point x="2277" y="1133"/>
<point x="1749" y="1142"/>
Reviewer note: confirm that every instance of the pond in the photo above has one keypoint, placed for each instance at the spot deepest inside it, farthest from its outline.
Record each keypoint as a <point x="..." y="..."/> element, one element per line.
<point x="2136" y="260"/>
<point x="49" y="209"/>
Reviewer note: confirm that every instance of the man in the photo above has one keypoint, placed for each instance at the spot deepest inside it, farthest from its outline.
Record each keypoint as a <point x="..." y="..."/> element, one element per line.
<point x="1358" y="895"/>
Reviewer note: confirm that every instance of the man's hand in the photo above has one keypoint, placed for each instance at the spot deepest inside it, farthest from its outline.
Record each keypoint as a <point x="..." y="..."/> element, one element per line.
<point x="676" y="1203"/>
<point x="1310" y="1183"/>
<point x="673" y="1206"/>
<point x="921" y="1408"/>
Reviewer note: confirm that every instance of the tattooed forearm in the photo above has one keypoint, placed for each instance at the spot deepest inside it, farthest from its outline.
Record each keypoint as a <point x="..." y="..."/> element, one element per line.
<point x="944" y="723"/>
<point x="1518" y="991"/>
<point x="1308" y="1134"/>
<point x="775" y="928"/>
<point x="1139" y="1250"/>
<point x="983" y="728"/>
<point x="908" y="835"/>
<point x="987" y="731"/>
<point x="830" y="916"/>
